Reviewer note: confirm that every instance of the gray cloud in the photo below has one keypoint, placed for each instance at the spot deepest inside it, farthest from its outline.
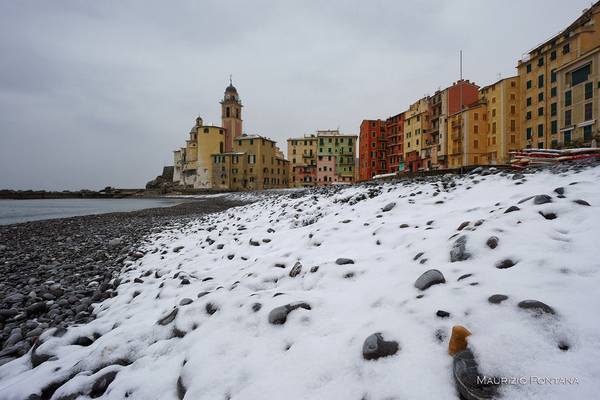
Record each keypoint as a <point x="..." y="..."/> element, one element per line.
<point x="100" y="93"/>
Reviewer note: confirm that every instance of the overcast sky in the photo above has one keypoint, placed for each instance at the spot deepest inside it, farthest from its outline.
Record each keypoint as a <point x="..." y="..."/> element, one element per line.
<point x="98" y="93"/>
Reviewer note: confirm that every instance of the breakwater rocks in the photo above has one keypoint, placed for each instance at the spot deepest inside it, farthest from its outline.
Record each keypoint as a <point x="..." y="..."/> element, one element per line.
<point x="52" y="272"/>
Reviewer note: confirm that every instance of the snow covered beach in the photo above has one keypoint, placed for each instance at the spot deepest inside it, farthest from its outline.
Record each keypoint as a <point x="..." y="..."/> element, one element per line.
<point x="193" y="315"/>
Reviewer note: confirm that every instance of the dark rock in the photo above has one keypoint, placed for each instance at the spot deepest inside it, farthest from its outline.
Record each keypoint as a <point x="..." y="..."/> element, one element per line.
<point x="211" y="308"/>
<point x="492" y="242"/>
<point x="429" y="278"/>
<point x="296" y="269"/>
<point x="542" y="199"/>
<point x="465" y="276"/>
<point x="314" y="269"/>
<point x="254" y="242"/>
<point x="468" y="380"/>
<point x="256" y="307"/>
<point x="181" y="389"/>
<point x="169" y="317"/>
<point x="536" y="306"/>
<point x="548" y="215"/>
<point x="525" y="199"/>
<point x="177" y="249"/>
<point x="417" y="256"/>
<point x="388" y="207"/>
<point x="564" y="346"/>
<point x="102" y="383"/>
<point x="230" y="256"/>
<point x="278" y="315"/>
<point x="497" y="298"/>
<point x="185" y="301"/>
<point x="202" y="294"/>
<point x="83" y="341"/>
<point x="344" y="261"/>
<point x="518" y="176"/>
<point x="185" y="281"/>
<point x="37" y="308"/>
<point x="459" y="250"/>
<point x="506" y="263"/>
<point x="138" y="280"/>
<point x="559" y="190"/>
<point x="376" y="347"/>
<point x="511" y="209"/>
<point x="442" y="314"/>
<point x="581" y="202"/>
<point x="463" y="225"/>
<point x="404" y="226"/>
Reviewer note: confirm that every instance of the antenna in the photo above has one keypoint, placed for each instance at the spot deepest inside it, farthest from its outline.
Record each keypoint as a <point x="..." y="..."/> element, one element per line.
<point x="499" y="75"/>
<point x="461" y="65"/>
<point x="460" y="83"/>
<point x="230" y="82"/>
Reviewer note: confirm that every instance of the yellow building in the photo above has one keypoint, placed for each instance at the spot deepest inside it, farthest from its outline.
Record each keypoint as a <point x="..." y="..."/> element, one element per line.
<point x="468" y="132"/>
<point x="503" y="119"/>
<point x="416" y="123"/>
<point x="542" y="99"/>
<point x="302" y="154"/>
<point x="255" y="163"/>
<point x="193" y="163"/>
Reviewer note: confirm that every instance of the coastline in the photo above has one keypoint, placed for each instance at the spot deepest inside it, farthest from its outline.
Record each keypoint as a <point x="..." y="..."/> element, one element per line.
<point x="54" y="270"/>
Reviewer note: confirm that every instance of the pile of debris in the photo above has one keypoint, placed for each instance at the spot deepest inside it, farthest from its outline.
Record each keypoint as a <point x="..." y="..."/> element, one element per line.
<point x="541" y="157"/>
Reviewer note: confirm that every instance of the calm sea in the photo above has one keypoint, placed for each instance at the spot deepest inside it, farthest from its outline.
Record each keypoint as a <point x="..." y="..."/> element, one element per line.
<point x="14" y="211"/>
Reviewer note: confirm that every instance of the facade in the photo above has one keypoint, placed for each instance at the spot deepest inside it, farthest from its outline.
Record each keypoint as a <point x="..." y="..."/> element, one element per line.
<point x="416" y="122"/>
<point x="336" y="155"/>
<point x="443" y="103"/>
<point x="579" y="89"/>
<point x="503" y="119"/>
<point x="231" y="115"/>
<point x="254" y="164"/>
<point x="372" y="150"/>
<point x="394" y="130"/>
<point x="468" y="132"/>
<point x="543" y="98"/>
<point x="192" y="163"/>
<point x="302" y="153"/>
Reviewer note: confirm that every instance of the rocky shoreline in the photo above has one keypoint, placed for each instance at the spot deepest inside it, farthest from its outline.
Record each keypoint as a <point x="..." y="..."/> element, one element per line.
<point x="53" y="271"/>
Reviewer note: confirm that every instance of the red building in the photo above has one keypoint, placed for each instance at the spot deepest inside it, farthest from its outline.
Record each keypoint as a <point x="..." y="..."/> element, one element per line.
<point x="372" y="149"/>
<point x="394" y="130"/>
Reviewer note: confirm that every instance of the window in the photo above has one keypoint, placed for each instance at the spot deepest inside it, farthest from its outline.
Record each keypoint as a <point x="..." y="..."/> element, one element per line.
<point x="540" y="111"/>
<point x="476" y="144"/>
<point x="553" y="92"/>
<point x="529" y="84"/>
<point x="553" y="55"/>
<point x="567" y="137"/>
<point x="494" y="112"/>
<point x="587" y="133"/>
<point x="580" y="75"/>
<point x="540" y="61"/>
<point x="513" y="126"/>
<point x="476" y="116"/>
<point x="587" y="111"/>
<point x="540" y="96"/>
<point x="553" y="109"/>
<point x="553" y="127"/>
<point x="589" y="90"/>
<point x="541" y="81"/>
<point x="528" y="101"/>
<point x="528" y="133"/>
<point x="227" y="112"/>
<point x="552" y="76"/>
<point x="220" y="147"/>
<point x="540" y="145"/>
<point x="528" y="115"/>
<point x="528" y="68"/>
<point x="568" y="118"/>
<point x="567" y="98"/>
<point x="476" y="129"/>
<point x="512" y="110"/>
<point x="540" y="130"/>
<point x="566" y="48"/>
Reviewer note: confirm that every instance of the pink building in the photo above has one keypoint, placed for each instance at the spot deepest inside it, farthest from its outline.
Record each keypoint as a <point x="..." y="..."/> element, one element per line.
<point x="326" y="170"/>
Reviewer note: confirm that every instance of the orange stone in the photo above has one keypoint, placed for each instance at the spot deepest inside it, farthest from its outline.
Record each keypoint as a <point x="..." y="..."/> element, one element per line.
<point x="458" y="340"/>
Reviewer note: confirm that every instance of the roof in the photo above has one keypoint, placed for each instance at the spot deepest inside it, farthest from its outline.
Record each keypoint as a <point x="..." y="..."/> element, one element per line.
<point x="497" y="82"/>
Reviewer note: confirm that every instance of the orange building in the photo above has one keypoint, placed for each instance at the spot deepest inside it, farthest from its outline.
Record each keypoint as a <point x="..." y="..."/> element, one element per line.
<point x="372" y="149"/>
<point x="394" y="131"/>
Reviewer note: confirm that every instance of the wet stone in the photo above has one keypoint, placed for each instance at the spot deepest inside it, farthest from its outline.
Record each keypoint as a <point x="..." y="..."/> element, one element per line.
<point x="492" y="242"/>
<point x="375" y="347"/>
<point x="497" y="298"/>
<point x="169" y="317"/>
<point x="278" y="315"/>
<point x="581" y="202"/>
<point x="506" y="263"/>
<point x="542" y="199"/>
<point x="511" y="209"/>
<point x="296" y="269"/>
<point x="429" y="278"/>
<point x="344" y="261"/>
<point x="442" y="314"/>
<point x="536" y="306"/>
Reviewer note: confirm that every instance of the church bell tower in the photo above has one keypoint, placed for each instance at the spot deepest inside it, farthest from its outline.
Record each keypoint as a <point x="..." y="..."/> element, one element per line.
<point x="231" y="115"/>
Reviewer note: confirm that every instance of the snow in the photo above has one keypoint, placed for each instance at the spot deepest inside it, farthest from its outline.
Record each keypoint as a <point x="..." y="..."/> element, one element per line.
<point x="236" y="353"/>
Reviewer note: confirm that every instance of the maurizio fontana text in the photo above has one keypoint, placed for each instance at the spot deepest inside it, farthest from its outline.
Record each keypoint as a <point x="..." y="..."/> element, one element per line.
<point x="526" y="380"/>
